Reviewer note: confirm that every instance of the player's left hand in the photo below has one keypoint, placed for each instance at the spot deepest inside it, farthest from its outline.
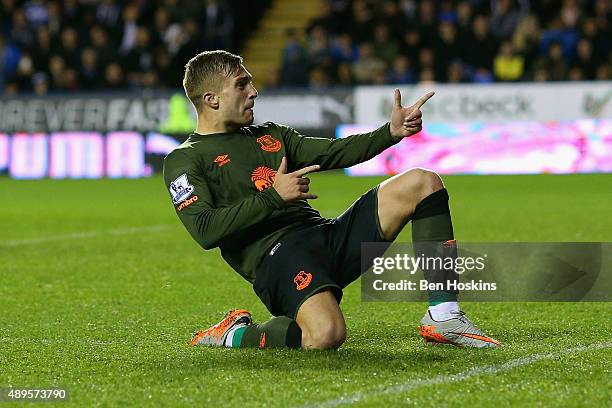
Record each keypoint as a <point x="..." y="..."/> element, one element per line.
<point x="407" y="121"/>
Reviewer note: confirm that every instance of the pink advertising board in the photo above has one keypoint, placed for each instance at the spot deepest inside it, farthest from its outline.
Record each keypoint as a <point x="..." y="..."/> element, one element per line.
<point x="531" y="147"/>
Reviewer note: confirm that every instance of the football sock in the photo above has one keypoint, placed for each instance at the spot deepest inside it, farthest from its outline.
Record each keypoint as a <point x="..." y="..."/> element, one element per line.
<point x="276" y="332"/>
<point x="432" y="237"/>
<point x="443" y="311"/>
<point x="235" y="335"/>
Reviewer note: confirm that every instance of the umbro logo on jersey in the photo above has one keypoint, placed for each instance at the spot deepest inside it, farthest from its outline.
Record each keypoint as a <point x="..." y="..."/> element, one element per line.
<point x="187" y="203"/>
<point x="222" y="159"/>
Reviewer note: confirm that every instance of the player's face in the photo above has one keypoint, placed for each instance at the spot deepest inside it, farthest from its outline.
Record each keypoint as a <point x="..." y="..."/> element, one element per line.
<point x="238" y="98"/>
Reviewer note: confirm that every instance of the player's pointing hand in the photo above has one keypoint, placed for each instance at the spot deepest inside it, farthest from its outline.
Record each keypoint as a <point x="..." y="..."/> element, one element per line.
<point x="407" y="121"/>
<point x="293" y="186"/>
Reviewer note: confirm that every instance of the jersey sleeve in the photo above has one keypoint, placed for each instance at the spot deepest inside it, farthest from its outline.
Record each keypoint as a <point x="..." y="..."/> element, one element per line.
<point x="194" y="204"/>
<point x="303" y="150"/>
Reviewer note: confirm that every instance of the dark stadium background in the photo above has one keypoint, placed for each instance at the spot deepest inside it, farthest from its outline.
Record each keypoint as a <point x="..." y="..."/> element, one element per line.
<point x="323" y="43"/>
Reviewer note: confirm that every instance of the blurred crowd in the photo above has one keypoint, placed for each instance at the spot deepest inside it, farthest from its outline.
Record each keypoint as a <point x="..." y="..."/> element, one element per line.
<point x="478" y="41"/>
<point x="88" y="45"/>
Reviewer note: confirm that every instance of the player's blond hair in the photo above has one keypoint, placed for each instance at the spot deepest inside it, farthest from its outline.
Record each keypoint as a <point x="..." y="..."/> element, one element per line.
<point x="206" y="71"/>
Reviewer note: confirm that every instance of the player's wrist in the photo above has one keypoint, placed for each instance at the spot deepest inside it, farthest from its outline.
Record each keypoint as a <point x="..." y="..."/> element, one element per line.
<point x="395" y="133"/>
<point x="276" y="201"/>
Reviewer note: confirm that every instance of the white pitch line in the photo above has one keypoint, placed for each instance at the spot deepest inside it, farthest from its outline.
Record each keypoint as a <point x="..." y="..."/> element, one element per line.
<point x="89" y="234"/>
<point x="443" y="379"/>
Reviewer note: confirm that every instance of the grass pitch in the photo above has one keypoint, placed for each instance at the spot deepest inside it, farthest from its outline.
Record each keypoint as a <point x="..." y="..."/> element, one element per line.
<point x="101" y="287"/>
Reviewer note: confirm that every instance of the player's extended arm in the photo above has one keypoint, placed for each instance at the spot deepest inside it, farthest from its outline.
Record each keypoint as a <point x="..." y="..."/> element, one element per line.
<point x="209" y="225"/>
<point x="339" y="153"/>
<point x="303" y="150"/>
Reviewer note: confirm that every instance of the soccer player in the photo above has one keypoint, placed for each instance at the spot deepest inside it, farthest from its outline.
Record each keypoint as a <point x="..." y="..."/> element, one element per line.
<point x="243" y="188"/>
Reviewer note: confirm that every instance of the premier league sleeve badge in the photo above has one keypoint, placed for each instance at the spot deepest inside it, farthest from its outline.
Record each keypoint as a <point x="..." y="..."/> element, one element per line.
<point x="180" y="189"/>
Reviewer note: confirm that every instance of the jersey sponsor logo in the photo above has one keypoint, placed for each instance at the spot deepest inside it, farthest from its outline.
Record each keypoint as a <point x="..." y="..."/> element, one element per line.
<point x="222" y="159"/>
<point x="302" y="280"/>
<point x="269" y="144"/>
<point x="180" y="189"/>
<point x="263" y="177"/>
<point x="187" y="203"/>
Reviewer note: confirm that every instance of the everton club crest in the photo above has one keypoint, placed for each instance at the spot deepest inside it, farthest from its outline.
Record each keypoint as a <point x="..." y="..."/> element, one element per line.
<point x="269" y="144"/>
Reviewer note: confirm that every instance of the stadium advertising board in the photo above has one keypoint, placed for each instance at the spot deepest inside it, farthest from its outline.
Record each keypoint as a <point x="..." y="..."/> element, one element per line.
<point x="128" y="134"/>
<point x="312" y="110"/>
<point x="529" y="147"/>
<point x="492" y="103"/>
<point x="84" y="154"/>
<point x="168" y="112"/>
<point x="95" y="112"/>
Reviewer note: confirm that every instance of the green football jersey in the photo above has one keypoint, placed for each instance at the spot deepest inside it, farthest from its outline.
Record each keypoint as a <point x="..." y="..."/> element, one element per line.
<point x="221" y="185"/>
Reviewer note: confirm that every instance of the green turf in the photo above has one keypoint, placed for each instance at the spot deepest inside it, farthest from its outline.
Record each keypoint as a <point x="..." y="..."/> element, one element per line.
<point x="100" y="288"/>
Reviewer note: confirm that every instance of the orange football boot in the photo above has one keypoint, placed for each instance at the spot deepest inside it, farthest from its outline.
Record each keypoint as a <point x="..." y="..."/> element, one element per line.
<point x="217" y="334"/>
<point x="458" y="331"/>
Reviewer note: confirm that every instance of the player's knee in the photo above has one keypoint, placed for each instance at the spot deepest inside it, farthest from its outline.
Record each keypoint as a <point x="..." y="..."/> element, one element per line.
<point x="423" y="182"/>
<point x="328" y="337"/>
